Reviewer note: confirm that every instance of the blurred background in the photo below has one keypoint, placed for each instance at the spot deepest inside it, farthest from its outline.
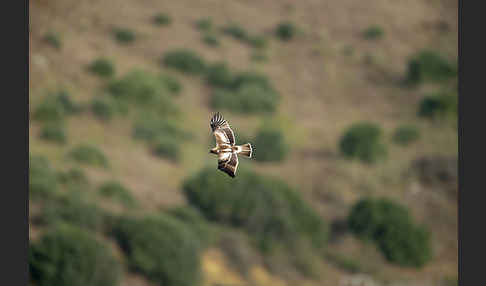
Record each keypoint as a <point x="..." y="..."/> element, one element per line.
<point x="351" y="107"/>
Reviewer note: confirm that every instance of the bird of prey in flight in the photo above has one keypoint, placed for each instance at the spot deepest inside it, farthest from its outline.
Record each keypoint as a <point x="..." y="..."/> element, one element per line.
<point x="225" y="148"/>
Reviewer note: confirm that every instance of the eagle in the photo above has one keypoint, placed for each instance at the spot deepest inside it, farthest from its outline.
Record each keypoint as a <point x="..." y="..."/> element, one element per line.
<point x="225" y="148"/>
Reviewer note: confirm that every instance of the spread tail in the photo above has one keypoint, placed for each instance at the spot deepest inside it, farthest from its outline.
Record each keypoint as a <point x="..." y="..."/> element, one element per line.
<point x="246" y="150"/>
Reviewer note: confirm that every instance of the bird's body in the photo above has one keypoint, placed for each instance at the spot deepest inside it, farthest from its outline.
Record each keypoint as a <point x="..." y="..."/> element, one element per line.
<point x="225" y="148"/>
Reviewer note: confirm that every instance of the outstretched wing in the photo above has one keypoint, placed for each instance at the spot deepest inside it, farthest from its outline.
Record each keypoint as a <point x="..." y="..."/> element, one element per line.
<point x="221" y="130"/>
<point x="228" y="163"/>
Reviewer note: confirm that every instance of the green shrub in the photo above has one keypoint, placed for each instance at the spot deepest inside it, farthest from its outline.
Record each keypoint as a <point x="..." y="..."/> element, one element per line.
<point x="67" y="255"/>
<point x="143" y="89"/>
<point x="219" y="75"/>
<point x="236" y="31"/>
<point x="210" y="40"/>
<point x="239" y="33"/>
<point x="42" y="178"/>
<point x="171" y="83"/>
<point x="428" y="65"/>
<point x="248" y="99"/>
<point x="345" y="263"/>
<point x="286" y="31"/>
<point x="162" y="19"/>
<point x="124" y="35"/>
<point x="250" y="77"/>
<point x="363" y="141"/>
<point x="270" y="146"/>
<point x="104" y="107"/>
<point x="373" y="33"/>
<point x="54" y="132"/>
<point x="406" y="134"/>
<point x="167" y="147"/>
<point x="102" y="67"/>
<point x="390" y="226"/>
<point x="161" y="248"/>
<point x="249" y="92"/>
<point x="53" y="39"/>
<point x="74" y="178"/>
<point x="74" y="209"/>
<point x="49" y="109"/>
<point x="55" y="106"/>
<point x="438" y="105"/>
<point x="204" y="24"/>
<point x="267" y="208"/>
<point x="257" y="41"/>
<point x="89" y="155"/>
<point x="115" y="190"/>
<point x="195" y="221"/>
<point x="151" y="128"/>
<point x="185" y="61"/>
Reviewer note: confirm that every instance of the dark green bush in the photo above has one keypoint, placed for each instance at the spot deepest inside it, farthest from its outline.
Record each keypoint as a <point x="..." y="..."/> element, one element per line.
<point x="236" y="31"/>
<point x="75" y="210"/>
<point x="67" y="255"/>
<point x="167" y="147"/>
<point x="74" y="179"/>
<point x="151" y="128"/>
<point x="250" y="77"/>
<point x="248" y="99"/>
<point x="102" y="67"/>
<point x="428" y="65"/>
<point x="219" y="75"/>
<point x="373" y="33"/>
<point x="104" y="107"/>
<point x="49" y="109"/>
<point x="162" y="19"/>
<point x="363" y="141"/>
<point x="390" y="226"/>
<point x="89" y="155"/>
<point x="144" y="89"/>
<point x="185" y="61"/>
<point x="161" y="248"/>
<point x="257" y="41"/>
<point x="54" y="132"/>
<point x="438" y="105"/>
<point x="286" y="31"/>
<point x="42" y="178"/>
<point x="239" y="33"/>
<point x="267" y="208"/>
<point x="210" y="40"/>
<point x="124" y="35"/>
<point x="118" y="192"/>
<point x="406" y="134"/>
<point x="171" y="83"/>
<point x="193" y="218"/>
<point x="204" y="24"/>
<point x="248" y="92"/>
<point x="55" y="106"/>
<point x="270" y="146"/>
<point x="53" y="39"/>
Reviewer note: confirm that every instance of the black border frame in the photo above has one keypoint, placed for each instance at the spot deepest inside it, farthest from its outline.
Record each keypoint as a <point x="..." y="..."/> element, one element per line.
<point x="471" y="84"/>
<point x="14" y="244"/>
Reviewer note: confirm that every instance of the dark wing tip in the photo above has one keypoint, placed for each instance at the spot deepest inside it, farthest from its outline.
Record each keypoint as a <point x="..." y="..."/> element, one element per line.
<point x="226" y="170"/>
<point x="216" y="121"/>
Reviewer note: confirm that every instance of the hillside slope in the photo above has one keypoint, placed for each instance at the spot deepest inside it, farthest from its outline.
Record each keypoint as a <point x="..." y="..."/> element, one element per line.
<point x="329" y="76"/>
